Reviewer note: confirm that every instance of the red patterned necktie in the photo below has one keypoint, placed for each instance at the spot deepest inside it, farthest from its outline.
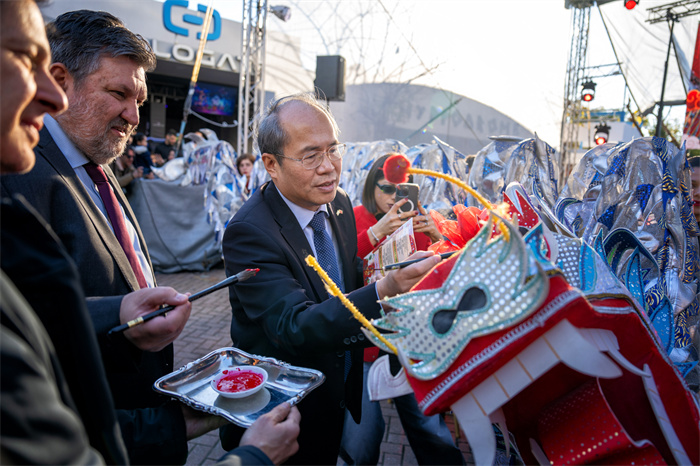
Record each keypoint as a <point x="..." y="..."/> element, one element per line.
<point x="115" y="217"/>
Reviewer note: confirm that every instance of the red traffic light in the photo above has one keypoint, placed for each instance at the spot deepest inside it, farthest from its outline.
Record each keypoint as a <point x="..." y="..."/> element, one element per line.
<point x="630" y="4"/>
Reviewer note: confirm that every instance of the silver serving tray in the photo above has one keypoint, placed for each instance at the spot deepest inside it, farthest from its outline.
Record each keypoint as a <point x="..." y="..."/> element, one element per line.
<point x="191" y="385"/>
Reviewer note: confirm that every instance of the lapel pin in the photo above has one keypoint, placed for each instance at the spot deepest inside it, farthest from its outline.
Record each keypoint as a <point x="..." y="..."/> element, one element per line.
<point x="339" y="212"/>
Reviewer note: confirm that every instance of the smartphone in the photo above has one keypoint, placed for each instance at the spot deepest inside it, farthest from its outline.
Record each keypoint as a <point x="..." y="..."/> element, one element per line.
<point x="408" y="191"/>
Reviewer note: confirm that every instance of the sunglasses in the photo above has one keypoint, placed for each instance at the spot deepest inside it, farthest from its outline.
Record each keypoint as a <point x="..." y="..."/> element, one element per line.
<point x="387" y="188"/>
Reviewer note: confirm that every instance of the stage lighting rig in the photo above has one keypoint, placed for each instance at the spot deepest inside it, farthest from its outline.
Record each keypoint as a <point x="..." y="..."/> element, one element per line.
<point x="602" y="133"/>
<point x="588" y="91"/>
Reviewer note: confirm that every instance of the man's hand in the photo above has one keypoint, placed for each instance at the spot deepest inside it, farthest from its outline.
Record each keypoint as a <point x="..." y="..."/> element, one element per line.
<point x="138" y="173"/>
<point x="275" y="433"/>
<point x="159" y="332"/>
<point x="402" y="280"/>
<point x="199" y="423"/>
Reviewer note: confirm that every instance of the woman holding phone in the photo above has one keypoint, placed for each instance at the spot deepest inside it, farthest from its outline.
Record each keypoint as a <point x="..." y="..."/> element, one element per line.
<point x="380" y="213"/>
<point x="431" y="441"/>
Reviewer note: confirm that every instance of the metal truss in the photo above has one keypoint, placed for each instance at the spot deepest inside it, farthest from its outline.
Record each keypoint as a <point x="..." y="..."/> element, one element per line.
<point x="574" y="77"/>
<point x="251" y="89"/>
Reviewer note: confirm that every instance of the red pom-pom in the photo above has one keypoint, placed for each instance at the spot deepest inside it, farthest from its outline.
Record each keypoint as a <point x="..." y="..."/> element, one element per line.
<point x="396" y="169"/>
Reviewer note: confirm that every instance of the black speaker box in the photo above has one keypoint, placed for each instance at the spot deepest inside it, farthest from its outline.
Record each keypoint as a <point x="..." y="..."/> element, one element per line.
<point x="330" y="77"/>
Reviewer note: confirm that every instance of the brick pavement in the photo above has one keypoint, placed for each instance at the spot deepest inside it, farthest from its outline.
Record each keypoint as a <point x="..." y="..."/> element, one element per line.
<point x="208" y="329"/>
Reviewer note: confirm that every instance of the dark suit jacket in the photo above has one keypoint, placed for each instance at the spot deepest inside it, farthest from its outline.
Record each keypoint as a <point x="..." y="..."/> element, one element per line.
<point x="285" y="311"/>
<point x="50" y="410"/>
<point x="38" y="420"/>
<point x="41" y="270"/>
<point x="58" y="195"/>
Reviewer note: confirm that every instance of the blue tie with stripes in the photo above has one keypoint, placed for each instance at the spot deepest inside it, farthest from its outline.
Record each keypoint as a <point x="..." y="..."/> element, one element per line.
<point x="325" y="254"/>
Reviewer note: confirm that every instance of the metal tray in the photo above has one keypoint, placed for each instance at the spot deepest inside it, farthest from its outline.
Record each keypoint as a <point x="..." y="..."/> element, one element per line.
<point x="191" y="385"/>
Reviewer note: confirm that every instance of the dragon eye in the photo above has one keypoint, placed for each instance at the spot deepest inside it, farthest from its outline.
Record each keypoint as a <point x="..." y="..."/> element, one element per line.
<point x="472" y="299"/>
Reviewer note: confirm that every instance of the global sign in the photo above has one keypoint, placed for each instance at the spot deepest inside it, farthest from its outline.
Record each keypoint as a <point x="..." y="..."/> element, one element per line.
<point x="176" y="19"/>
<point x="171" y="7"/>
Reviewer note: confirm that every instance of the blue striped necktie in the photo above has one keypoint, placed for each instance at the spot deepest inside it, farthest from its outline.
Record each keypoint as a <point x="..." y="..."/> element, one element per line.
<point x="325" y="254"/>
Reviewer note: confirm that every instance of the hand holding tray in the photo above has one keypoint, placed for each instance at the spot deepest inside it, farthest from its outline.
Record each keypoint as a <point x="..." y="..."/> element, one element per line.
<point x="191" y="385"/>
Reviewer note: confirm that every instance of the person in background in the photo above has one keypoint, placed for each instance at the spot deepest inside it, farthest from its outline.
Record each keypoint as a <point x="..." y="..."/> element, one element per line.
<point x="124" y="169"/>
<point x="166" y="149"/>
<point x="244" y="165"/>
<point x="379" y="216"/>
<point x="431" y="441"/>
<point x="143" y="158"/>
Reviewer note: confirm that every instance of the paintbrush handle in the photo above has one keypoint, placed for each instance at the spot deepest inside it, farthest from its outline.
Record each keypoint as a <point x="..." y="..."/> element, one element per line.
<point x="401" y="265"/>
<point x="144" y="318"/>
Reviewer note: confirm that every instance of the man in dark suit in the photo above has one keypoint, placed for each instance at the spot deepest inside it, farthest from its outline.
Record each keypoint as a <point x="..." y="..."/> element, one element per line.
<point x="39" y="416"/>
<point x="55" y="404"/>
<point x="101" y="67"/>
<point x="285" y="310"/>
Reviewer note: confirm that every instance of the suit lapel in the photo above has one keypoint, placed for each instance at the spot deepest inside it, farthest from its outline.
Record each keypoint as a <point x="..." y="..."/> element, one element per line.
<point x="344" y="234"/>
<point x="294" y="236"/>
<point x="53" y="155"/>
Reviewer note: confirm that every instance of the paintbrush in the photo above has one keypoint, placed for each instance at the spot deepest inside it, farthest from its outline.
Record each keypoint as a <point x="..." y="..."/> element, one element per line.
<point x="401" y="265"/>
<point x="239" y="277"/>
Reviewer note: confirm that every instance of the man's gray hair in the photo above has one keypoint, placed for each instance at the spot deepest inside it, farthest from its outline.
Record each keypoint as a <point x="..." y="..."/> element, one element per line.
<point x="268" y="133"/>
<point x="78" y="39"/>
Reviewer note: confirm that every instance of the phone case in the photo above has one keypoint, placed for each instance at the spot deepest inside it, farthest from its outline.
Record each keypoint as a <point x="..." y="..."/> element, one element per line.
<point x="409" y="191"/>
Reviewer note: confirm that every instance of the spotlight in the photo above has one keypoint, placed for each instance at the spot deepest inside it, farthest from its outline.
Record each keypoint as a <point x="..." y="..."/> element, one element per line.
<point x="602" y="132"/>
<point x="630" y="4"/>
<point x="282" y="12"/>
<point x="588" y="92"/>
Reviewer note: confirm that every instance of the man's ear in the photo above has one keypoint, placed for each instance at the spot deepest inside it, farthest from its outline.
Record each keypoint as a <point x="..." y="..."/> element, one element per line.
<point x="61" y="75"/>
<point x="271" y="165"/>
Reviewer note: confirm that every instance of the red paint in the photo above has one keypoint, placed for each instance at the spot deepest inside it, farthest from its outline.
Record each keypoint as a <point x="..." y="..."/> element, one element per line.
<point x="238" y="381"/>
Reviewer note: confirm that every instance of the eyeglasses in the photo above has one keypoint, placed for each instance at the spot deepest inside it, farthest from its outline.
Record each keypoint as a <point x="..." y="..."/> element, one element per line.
<point x="387" y="188"/>
<point x="315" y="159"/>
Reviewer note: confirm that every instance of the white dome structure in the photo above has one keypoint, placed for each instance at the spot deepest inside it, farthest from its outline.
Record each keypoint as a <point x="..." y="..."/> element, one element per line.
<point x="413" y="114"/>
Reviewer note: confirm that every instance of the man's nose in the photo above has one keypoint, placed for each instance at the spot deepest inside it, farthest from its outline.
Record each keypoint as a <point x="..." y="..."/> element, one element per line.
<point x="131" y="113"/>
<point x="326" y="164"/>
<point x="49" y="94"/>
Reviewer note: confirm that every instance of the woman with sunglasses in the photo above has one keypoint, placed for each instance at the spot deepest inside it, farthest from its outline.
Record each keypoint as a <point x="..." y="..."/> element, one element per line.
<point x="379" y="215"/>
<point x="429" y="436"/>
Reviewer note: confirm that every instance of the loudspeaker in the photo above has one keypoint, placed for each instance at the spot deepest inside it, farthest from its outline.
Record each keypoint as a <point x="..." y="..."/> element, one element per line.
<point x="330" y="77"/>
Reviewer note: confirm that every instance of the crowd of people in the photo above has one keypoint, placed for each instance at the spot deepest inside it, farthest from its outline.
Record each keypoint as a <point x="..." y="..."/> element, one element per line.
<point x="74" y="264"/>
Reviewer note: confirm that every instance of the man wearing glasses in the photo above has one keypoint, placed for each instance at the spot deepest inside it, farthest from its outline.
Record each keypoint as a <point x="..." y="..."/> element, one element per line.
<point x="285" y="311"/>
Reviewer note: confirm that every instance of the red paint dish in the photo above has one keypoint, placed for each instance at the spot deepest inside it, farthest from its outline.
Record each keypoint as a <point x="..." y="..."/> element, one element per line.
<point x="239" y="381"/>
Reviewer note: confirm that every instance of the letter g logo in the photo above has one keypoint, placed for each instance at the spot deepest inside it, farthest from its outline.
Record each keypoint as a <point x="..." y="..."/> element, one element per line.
<point x="191" y="19"/>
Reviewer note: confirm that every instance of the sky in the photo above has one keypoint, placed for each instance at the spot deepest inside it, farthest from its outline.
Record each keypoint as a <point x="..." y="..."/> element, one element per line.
<point x="511" y="55"/>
